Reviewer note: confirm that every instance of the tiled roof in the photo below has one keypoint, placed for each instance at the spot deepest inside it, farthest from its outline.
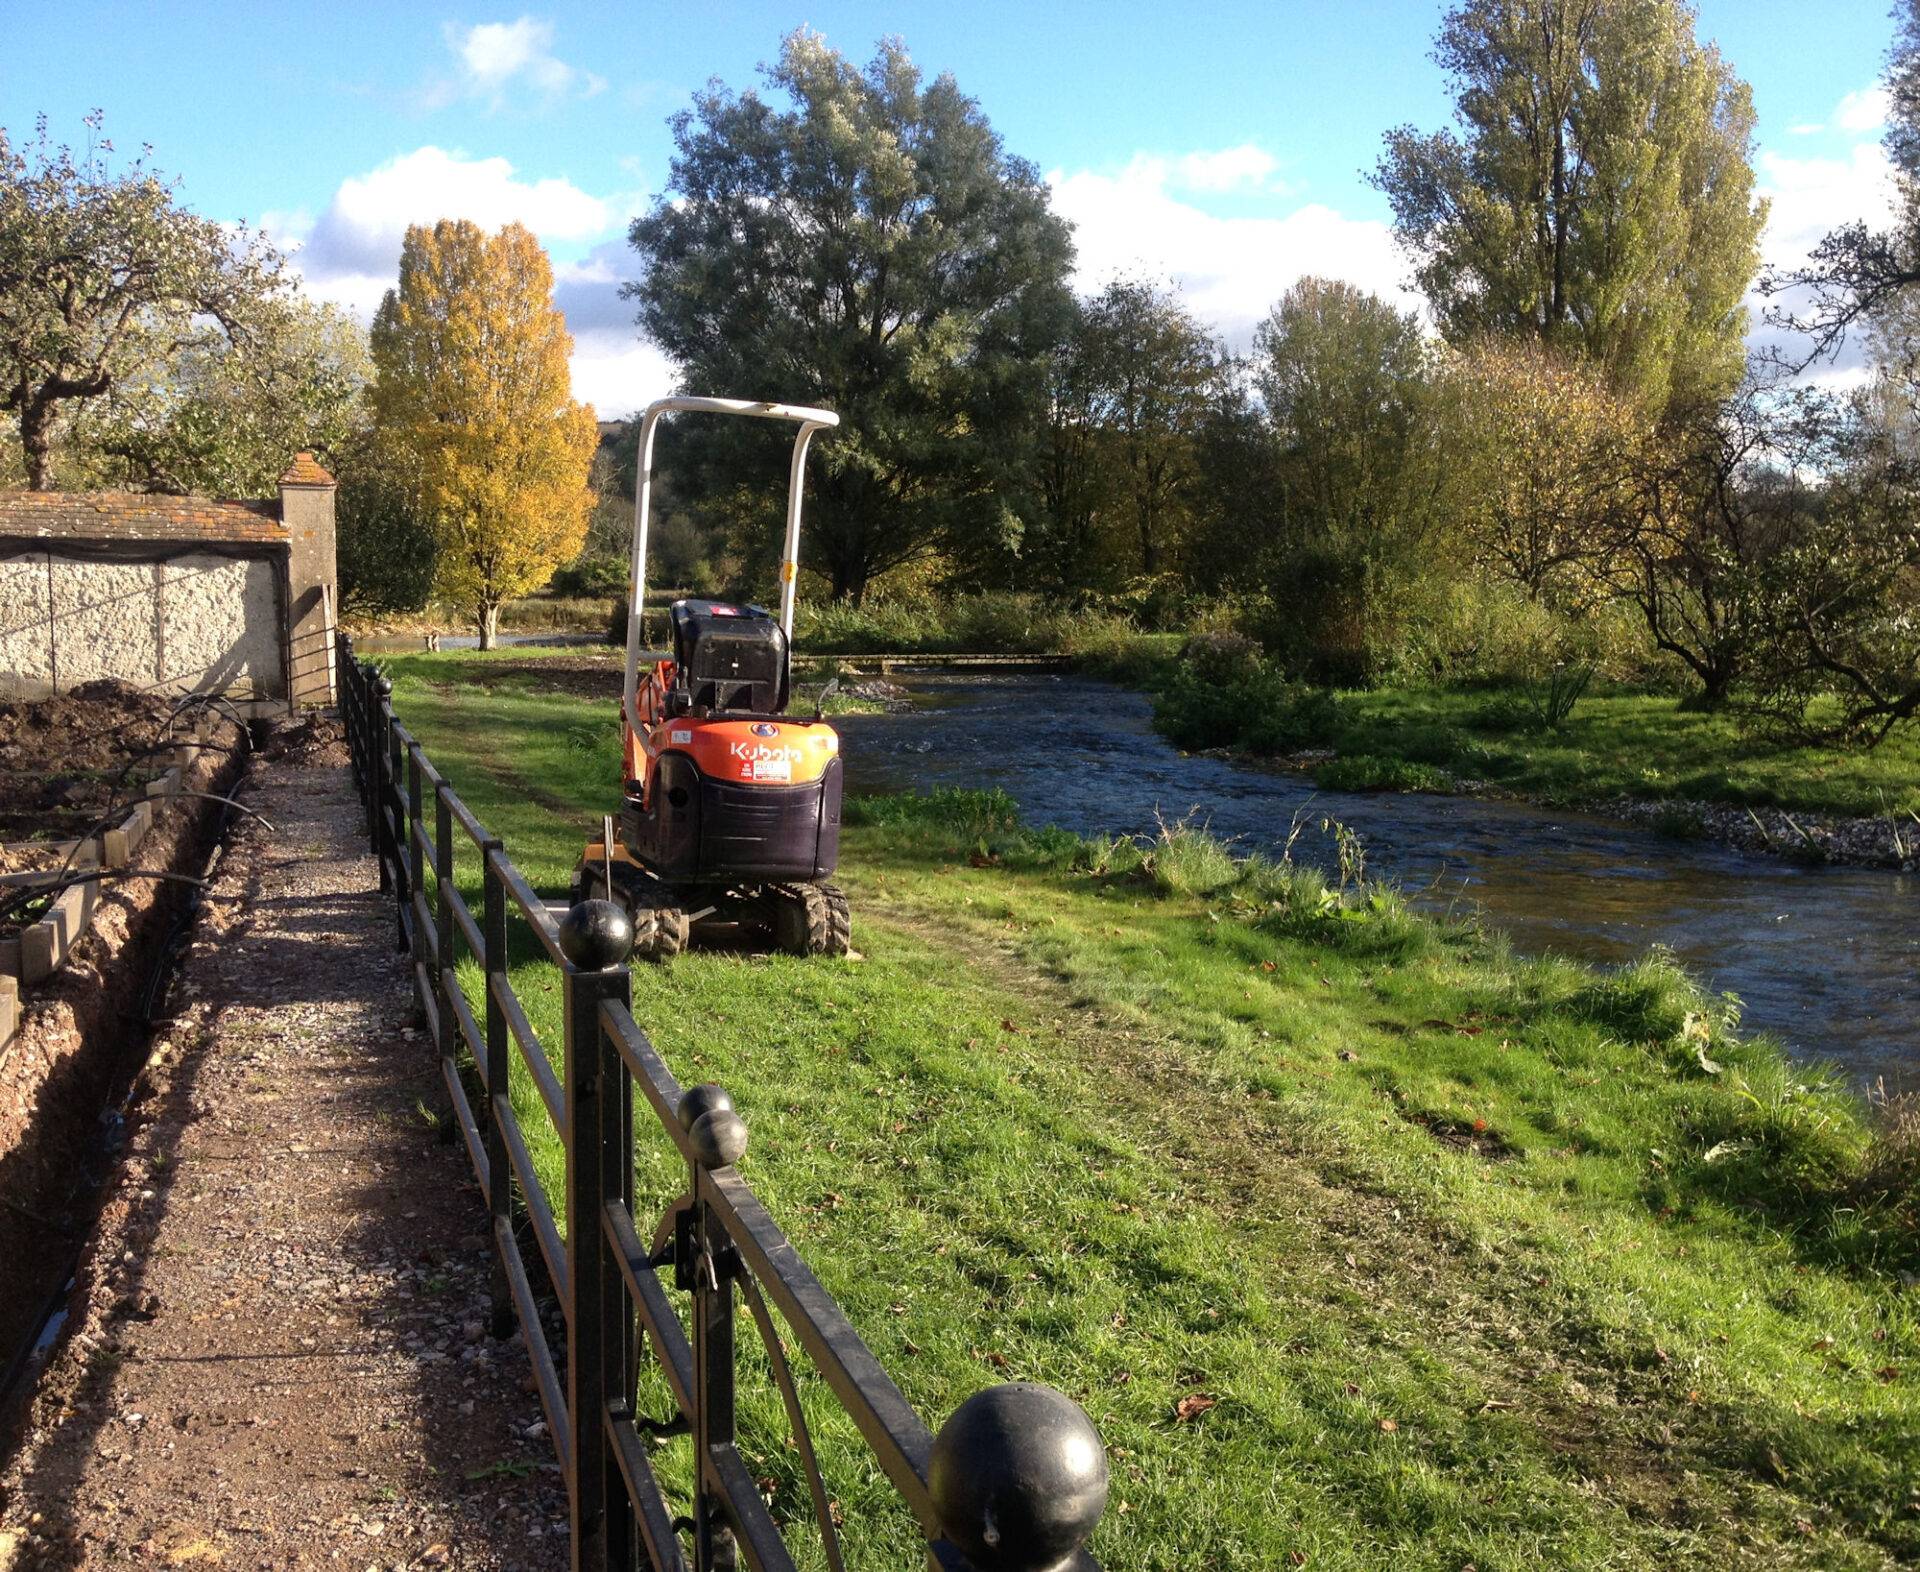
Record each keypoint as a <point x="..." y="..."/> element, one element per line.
<point x="135" y="515"/>
<point x="306" y="470"/>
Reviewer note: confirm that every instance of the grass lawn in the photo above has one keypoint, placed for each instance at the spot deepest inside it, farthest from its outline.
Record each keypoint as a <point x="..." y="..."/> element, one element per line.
<point x="1365" y="1243"/>
<point x="1640" y="745"/>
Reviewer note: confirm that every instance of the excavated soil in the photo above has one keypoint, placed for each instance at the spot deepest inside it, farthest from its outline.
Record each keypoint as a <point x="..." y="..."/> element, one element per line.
<point x="279" y="1354"/>
<point x="67" y="759"/>
<point x="81" y="1035"/>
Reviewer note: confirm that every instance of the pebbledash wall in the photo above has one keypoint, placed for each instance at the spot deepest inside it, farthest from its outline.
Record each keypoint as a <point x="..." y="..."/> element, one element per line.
<point x="174" y="594"/>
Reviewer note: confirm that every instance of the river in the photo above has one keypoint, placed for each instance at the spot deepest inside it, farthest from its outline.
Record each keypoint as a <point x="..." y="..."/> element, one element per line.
<point x="1826" y="959"/>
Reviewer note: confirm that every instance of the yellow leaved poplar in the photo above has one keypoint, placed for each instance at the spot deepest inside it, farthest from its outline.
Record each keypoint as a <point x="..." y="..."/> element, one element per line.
<point x="472" y="393"/>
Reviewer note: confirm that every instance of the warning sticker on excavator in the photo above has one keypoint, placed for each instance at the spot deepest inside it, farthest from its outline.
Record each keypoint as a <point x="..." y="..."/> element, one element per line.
<point x="770" y="769"/>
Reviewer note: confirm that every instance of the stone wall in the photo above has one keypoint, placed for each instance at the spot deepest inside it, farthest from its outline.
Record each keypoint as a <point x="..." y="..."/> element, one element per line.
<point x="180" y="594"/>
<point x="204" y="621"/>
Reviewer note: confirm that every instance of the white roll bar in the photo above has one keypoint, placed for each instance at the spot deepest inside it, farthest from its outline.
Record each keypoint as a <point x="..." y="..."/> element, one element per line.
<point x="810" y="421"/>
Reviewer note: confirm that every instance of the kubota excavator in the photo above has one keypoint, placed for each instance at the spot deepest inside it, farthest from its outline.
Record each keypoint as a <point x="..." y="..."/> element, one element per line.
<point x="730" y="809"/>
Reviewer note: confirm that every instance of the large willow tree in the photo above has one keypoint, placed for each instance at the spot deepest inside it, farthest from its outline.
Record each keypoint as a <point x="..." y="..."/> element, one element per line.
<point x="1596" y="191"/>
<point x="474" y="402"/>
<point x="867" y="245"/>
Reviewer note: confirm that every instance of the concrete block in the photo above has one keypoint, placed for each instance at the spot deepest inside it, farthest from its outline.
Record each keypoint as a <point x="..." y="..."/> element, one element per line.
<point x="120" y="843"/>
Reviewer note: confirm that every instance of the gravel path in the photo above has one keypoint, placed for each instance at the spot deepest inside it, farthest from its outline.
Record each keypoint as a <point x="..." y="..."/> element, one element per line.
<point x="279" y="1356"/>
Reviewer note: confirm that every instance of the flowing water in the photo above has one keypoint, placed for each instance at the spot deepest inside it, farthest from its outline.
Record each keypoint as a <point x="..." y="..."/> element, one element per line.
<point x="1826" y="959"/>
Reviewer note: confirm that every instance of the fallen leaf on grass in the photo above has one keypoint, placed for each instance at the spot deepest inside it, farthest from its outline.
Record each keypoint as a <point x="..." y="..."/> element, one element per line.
<point x="1193" y="1405"/>
<point x="1388" y="1426"/>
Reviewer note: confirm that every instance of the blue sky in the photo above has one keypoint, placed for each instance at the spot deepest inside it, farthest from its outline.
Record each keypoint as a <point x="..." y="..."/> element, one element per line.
<point x="1222" y="145"/>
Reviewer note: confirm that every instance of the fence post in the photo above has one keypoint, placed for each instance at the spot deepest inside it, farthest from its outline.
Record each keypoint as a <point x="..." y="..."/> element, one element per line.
<point x="493" y="932"/>
<point x="379" y="760"/>
<point x="343" y="697"/>
<point x="705" y="1266"/>
<point x="446" y="978"/>
<point x="397" y="817"/>
<point x="416" y="811"/>
<point x="596" y="937"/>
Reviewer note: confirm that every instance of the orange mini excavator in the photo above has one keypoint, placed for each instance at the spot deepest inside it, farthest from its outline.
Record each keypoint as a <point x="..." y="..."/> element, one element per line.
<point x="731" y="808"/>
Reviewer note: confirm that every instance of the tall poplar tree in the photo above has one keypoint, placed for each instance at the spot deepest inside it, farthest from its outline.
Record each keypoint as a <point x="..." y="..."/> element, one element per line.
<point x="1596" y="191"/>
<point x="1151" y="370"/>
<point x="472" y="393"/>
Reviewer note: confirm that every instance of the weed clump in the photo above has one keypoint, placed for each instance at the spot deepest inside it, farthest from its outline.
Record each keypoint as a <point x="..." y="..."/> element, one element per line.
<point x="1367" y="772"/>
<point x="1225" y="694"/>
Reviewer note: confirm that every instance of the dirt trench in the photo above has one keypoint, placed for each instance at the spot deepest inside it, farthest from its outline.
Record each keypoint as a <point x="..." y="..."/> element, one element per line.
<point x="84" y="1031"/>
<point x="278" y="1353"/>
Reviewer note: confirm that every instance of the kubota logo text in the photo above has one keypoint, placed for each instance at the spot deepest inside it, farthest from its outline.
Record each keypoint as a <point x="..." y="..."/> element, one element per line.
<point x="759" y="751"/>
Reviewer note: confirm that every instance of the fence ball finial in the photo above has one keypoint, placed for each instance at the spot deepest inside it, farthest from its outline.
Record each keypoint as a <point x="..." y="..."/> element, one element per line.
<point x="1019" y="1478"/>
<point x="719" y="1134"/>
<point x="596" y="934"/>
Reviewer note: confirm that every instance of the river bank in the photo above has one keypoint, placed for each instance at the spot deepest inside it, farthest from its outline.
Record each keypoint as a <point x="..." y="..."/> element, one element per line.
<point x="1644" y="758"/>
<point x="1803" y="837"/>
<point x="1360" y="1236"/>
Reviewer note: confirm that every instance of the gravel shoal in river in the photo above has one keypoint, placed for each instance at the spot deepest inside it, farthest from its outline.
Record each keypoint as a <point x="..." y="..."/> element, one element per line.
<point x="277" y="1354"/>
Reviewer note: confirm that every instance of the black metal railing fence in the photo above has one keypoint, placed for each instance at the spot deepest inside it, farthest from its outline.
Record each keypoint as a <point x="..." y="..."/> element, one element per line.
<point x="1017" y="1477"/>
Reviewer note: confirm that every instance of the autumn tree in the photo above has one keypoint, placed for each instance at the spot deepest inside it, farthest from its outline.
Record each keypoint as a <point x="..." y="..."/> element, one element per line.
<point x="1348" y="390"/>
<point x="1837" y="659"/>
<point x="1062" y="547"/>
<point x="1548" y="457"/>
<point x="1596" y="192"/>
<point x="861" y="240"/>
<point x="104" y="276"/>
<point x="1715" y="499"/>
<point x="1148" y="370"/>
<point x="471" y="387"/>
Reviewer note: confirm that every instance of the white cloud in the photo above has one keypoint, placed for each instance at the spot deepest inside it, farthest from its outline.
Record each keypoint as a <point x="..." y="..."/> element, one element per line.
<point x="619" y="376"/>
<point x="1228" y="169"/>
<point x="355" y="243"/>
<point x="1810" y="198"/>
<point x="1231" y="270"/>
<point x="350" y="255"/>
<point x="494" y="58"/>
<point x="612" y="369"/>
<point x="1865" y="110"/>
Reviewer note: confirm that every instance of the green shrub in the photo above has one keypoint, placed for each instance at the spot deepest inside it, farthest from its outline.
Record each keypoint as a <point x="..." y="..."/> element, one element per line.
<point x="992" y="622"/>
<point x="591" y="575"/>
<point x="1365" y="772"/>
<point x="1222" y="695"/>
<point x="1222" y="658"/>
<point x="1306" y="718"/>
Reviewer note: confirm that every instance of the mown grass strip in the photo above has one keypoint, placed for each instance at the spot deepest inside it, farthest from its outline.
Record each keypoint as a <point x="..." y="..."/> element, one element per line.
<point x="1361" y="1240"/>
